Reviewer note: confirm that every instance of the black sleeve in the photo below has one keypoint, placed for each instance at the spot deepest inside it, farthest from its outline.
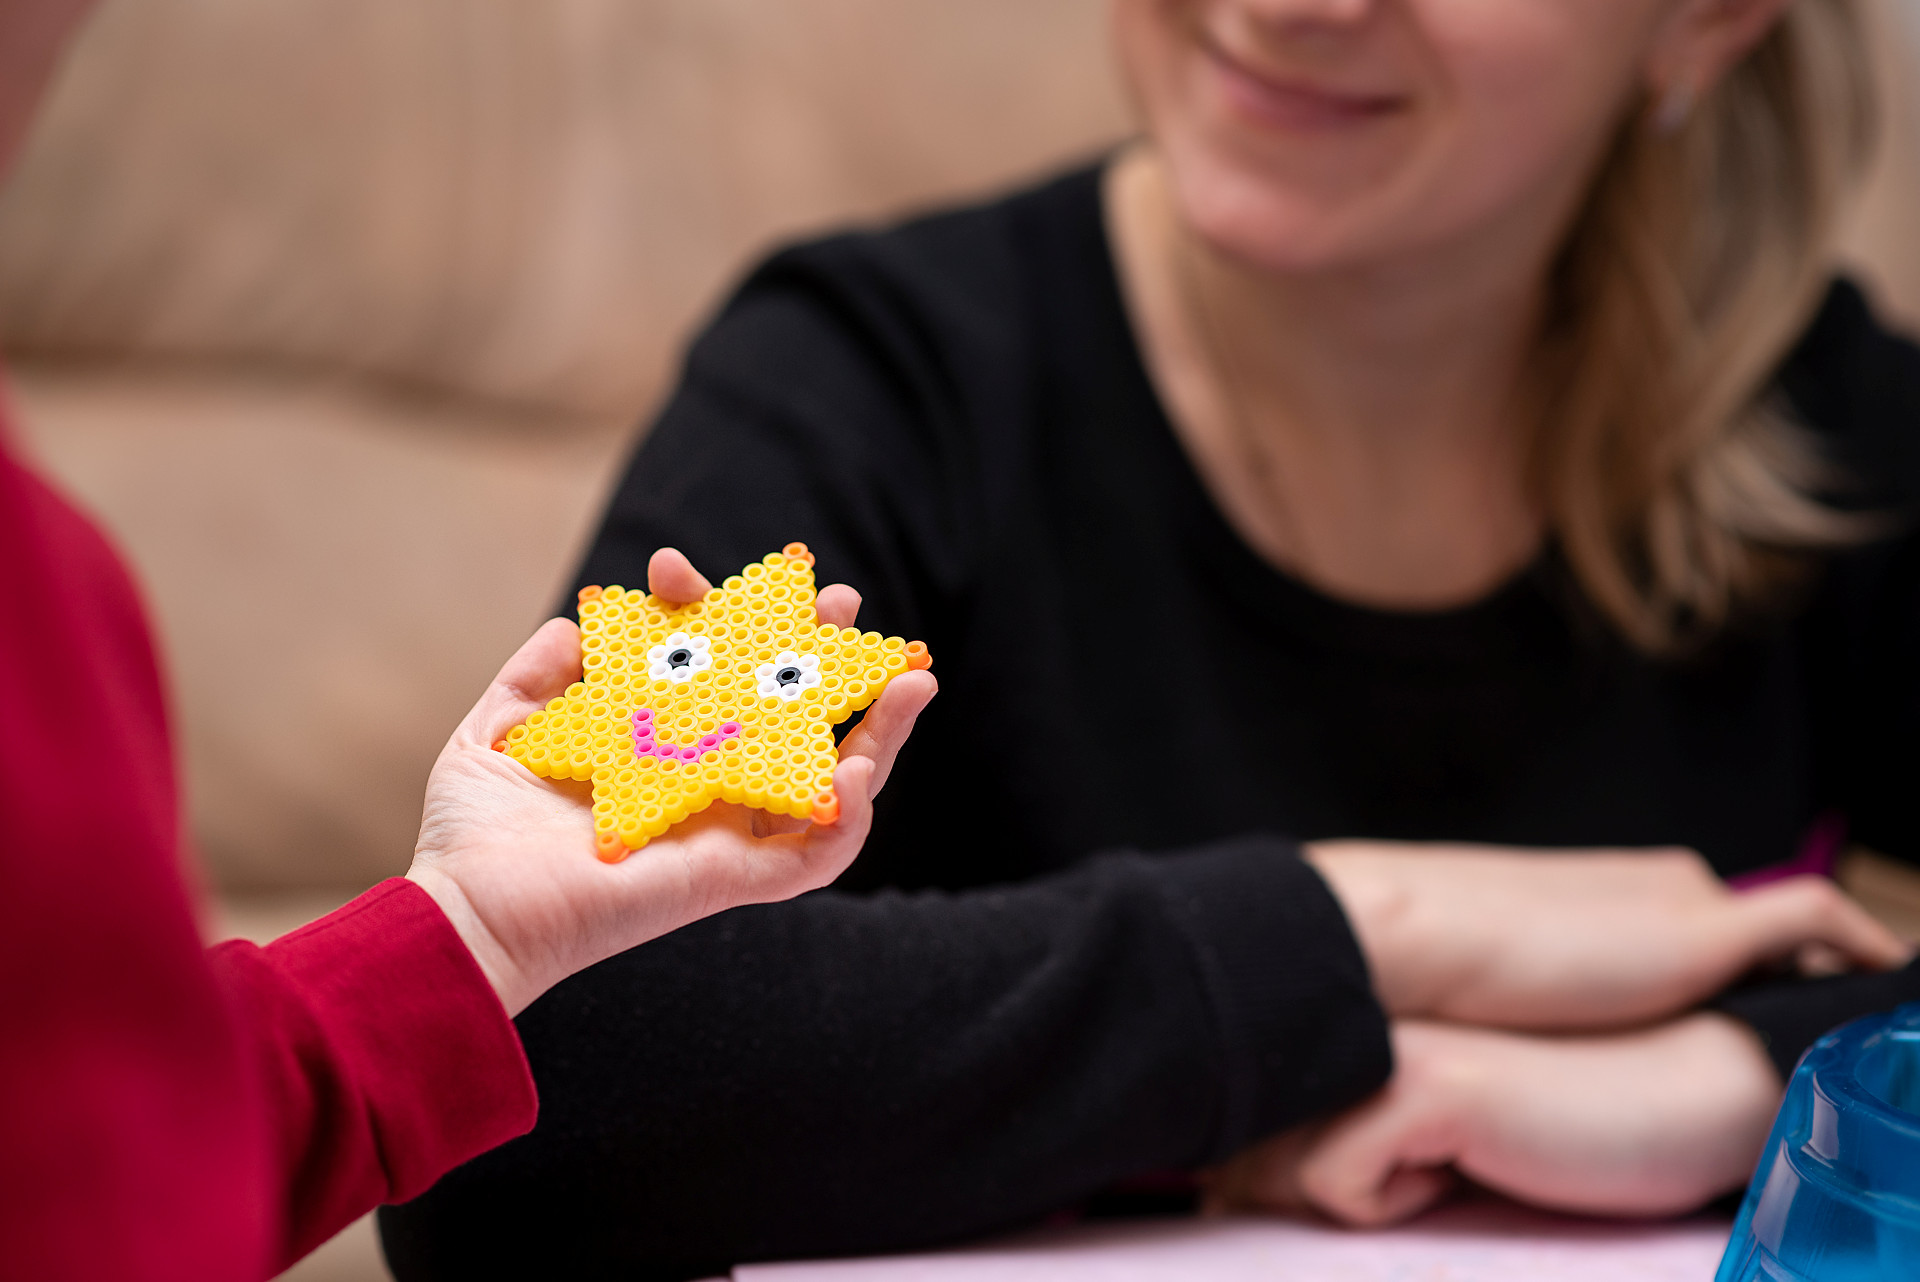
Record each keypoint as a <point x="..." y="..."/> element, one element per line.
<point x="1792" y="1014"/>
<point x="1858" y="386"/>
<point x="1869" y="665"/>
<point x="810" y="410"/>
<point x="849" y="1074"/>
<point x="857" y="1072"/>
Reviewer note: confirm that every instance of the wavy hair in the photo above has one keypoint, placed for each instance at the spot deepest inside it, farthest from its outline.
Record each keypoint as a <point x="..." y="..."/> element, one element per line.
<point x="1678" y="485"/>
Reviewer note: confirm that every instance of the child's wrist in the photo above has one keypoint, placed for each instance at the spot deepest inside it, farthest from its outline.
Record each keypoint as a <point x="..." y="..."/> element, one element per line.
<point x="515" y="989"/>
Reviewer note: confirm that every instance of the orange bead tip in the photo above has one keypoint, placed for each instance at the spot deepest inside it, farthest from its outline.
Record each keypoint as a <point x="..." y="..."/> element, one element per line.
<point x="798" y="552"/>
<point x="589" y="593"/>
<point x="919" y="658"/>
<point x="499" y="745"/>
<point x="610" y="849"/>
<point x="826" y="808"/>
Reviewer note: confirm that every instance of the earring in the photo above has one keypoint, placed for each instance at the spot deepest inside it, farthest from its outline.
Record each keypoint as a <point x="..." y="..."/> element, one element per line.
<point x="1675" y="107"/>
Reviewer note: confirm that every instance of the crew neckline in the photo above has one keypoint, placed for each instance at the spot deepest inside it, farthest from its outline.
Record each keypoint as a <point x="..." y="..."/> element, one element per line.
<point x="1481" y="628"/>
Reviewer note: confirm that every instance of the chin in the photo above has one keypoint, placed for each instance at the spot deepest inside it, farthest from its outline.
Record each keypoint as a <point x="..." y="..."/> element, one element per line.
<point x="1274" y="224"/>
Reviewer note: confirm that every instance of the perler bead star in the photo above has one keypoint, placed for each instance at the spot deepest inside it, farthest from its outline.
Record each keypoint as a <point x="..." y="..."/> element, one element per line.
<point x="732" y="697"/>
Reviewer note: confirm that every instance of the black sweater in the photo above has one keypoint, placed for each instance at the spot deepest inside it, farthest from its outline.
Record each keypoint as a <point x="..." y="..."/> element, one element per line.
<point x="1080" y="945"/>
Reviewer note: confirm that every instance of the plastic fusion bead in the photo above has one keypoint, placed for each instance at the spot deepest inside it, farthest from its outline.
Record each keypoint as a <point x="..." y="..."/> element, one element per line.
<point x="729" y="698"/>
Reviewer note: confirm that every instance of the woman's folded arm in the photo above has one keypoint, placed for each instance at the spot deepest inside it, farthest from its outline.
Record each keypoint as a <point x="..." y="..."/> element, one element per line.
<point x="861" y="1073"/>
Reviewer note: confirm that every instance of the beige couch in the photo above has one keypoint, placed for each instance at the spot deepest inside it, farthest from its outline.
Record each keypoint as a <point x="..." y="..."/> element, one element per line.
<point x="340" y="314"/>
<point x="356" y="305"/>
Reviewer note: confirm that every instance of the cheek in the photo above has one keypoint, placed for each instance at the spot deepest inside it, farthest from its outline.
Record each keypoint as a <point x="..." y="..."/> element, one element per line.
<point x="1245" y="187"/>
<point x="1509" y="103"/>
<point x="1531" y="93"/>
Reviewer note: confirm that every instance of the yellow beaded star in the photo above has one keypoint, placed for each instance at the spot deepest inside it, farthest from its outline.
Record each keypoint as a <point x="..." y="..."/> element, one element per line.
<point x="732" y="697"/>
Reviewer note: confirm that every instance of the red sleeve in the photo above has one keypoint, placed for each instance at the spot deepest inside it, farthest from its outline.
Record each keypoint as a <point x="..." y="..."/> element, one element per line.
<point x="156" y="1122"/>
<point x="387" y="1058"/>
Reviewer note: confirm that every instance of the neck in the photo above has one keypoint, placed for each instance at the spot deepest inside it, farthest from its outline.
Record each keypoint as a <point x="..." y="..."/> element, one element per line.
<point x="1381" y="354"/>
<point x="1384" y="402"/>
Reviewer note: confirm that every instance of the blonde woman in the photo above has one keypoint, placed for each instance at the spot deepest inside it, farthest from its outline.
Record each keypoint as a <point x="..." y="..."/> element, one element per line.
<point x="1441" y="427"/>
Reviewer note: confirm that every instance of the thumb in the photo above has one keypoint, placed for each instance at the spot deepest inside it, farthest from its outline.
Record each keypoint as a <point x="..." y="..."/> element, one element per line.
<point x="671" y="577"/>
<point x="539" y="670"/>
<point x="1383" y="1161"/>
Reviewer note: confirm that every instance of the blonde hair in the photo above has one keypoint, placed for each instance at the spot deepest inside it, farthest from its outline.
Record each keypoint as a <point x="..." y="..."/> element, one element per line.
<point x="1679" y="488"/>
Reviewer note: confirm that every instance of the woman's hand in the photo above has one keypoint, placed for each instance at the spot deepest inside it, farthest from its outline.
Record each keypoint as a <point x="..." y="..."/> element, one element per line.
<point x="1574" y="939"/>
<point x="510" y="857"/>
<point x="1653" y="1122"/>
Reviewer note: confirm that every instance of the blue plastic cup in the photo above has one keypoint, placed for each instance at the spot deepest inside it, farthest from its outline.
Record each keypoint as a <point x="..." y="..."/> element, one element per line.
<point x="1836" y="1197"/>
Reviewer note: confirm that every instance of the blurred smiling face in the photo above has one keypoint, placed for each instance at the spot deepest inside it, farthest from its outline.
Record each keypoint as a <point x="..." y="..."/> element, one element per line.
<point x="1305" y="135"/>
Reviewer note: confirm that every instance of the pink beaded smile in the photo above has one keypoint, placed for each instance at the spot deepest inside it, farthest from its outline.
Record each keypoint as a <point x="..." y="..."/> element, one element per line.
<point x="647" y="744"/>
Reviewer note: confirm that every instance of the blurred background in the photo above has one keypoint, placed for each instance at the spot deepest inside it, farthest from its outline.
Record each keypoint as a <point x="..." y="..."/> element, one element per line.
<point x="341" y="314"/>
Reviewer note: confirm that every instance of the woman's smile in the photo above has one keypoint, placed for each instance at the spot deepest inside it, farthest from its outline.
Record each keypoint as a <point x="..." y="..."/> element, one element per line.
<point x="1292" y="102"/>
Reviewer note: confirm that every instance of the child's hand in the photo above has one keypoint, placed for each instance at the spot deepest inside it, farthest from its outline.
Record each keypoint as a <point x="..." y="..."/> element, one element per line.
<point x="510" y="857"/>
<point x="1653" y="1122"/>
<point x="1574" y="939"/>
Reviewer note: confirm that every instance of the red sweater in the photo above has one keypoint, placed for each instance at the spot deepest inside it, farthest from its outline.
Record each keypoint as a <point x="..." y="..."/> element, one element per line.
<point x="167" y="1112"/>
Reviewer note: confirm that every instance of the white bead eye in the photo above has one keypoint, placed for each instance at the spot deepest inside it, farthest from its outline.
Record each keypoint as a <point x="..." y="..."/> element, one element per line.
<point x="788" y="675"/>
<point x="679" y="657"/>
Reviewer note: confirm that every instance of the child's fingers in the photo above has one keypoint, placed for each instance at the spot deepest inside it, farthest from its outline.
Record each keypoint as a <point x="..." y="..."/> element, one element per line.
<point x="888" y="722"/>
<point x="671" y="577"/>
<point x="747" y="856"/>
<point x="793" y="863"/>
<point x="833" y="846"/>
<point x="838" y="605"/>
<point x="539" y="670"/>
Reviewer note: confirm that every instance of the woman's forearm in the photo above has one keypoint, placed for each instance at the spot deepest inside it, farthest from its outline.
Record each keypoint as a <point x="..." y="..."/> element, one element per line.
<point x="1656" y="1121"/>
<point x="858" y="1073"/>
<point x="1573" y="940"/>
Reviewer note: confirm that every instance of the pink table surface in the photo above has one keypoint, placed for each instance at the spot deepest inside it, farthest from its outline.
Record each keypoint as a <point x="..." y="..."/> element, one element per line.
<point x="1476" y="1242"/>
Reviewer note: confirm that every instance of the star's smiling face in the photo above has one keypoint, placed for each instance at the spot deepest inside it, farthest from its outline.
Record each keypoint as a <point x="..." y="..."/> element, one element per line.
<point x="732" y="697"/>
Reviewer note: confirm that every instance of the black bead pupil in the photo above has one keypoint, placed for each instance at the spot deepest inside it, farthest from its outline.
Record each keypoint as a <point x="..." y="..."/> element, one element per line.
<point x="680" y="658"/>
<point x="787" y="676"/>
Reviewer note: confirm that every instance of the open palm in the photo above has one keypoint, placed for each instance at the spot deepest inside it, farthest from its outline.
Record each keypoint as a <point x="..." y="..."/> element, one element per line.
<point x="510" y="856"/>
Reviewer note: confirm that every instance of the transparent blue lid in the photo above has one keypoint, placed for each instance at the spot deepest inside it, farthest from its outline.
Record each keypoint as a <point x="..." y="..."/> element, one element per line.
<point x="1836" y="1197"/>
